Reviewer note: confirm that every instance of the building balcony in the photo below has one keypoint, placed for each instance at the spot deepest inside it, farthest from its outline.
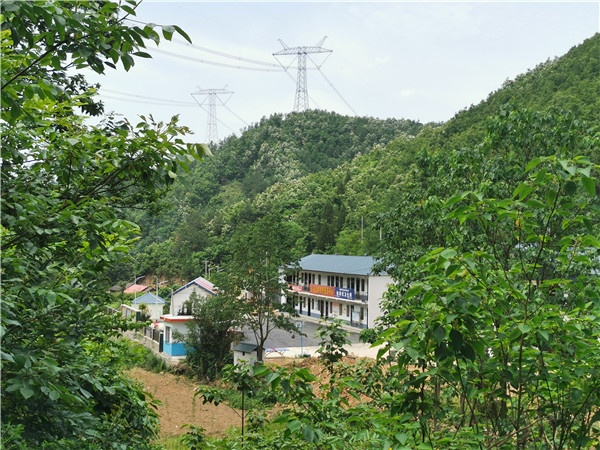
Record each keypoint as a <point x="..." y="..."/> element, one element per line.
<point x="330" y="293"/>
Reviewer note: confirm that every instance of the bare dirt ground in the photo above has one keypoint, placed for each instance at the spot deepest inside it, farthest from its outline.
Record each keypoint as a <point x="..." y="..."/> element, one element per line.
<point x="179" y="406"/>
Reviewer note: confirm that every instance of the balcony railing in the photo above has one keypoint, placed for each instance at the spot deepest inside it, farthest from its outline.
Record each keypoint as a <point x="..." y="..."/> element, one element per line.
<point x="358" y="296"/>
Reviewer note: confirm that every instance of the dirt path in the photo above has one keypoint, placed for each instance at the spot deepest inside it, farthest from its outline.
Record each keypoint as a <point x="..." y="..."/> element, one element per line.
<point x="179" y="406"/>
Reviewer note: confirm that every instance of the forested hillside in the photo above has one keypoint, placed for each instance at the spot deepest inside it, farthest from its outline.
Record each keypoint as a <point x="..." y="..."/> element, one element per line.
<point x="489" y="226"/>
<point x="333" y="176"/>
<point x="198" y="217"/>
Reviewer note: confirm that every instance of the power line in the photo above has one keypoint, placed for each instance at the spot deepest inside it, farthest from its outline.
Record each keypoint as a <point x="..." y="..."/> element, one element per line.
<point x="214" y="63"/>
<point x="149" y="98"/>
<point x="214" y="52"/>
<point x="225" y="55"/>
<point x="182" y="105"/>
<point x="230" y="110"/>
<point x="337" y="92"/>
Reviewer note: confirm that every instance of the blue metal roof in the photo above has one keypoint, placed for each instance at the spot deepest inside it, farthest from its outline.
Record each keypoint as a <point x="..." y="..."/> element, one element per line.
<point x="348" y="265"/>
<point x="149" y="299"/>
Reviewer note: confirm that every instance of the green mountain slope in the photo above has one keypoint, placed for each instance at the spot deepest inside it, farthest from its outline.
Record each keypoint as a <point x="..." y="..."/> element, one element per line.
<point x="333" y="177"/>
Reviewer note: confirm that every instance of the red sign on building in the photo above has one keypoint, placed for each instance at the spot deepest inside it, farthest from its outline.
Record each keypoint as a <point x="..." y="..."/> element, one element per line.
<point x="329" y="291"/>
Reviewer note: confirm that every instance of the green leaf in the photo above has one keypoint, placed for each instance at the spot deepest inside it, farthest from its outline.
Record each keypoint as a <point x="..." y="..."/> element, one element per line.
<point x="550" y="197"/>
<point x="182" y="33"/>
<point x="309" y="433"/>
<point x="524" y="328"/>
<point x="448" y="253"/>
<point x="128" y="9"/>
<point x="532" y="164"/>
<point x="570" y="187"/>
<point x="439" y="333"/>
<point x="456" y="339"/>
<point x="26" y="391"/>
<point x="127" y="61"/>
<point x="413" y="290"/>
<point x="260" y="370"/>
<point x="167" y="32"/>
<point x="590" y="185"/>
<point x="294" y="425"/>
<point x="454" y="199"/>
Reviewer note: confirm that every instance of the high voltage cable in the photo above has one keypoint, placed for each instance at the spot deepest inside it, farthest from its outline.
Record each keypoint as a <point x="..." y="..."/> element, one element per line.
<point x="186" y="105"/>
<point x="229" y="109"/>
<point x="214" y="52"/>
<point x="337" y="92"/>
<point x="224" y="55"/>
<point x="149" y="98"/>
<point x="183" y="105"/>
<point x="275" y="68"/>
<point x="214" y="63"/>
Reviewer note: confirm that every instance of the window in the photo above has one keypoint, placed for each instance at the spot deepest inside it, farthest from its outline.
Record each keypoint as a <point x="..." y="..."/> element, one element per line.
<point x="168" y="335"/>
<point x="363" y="285"/>
<point x="319" y="279"/>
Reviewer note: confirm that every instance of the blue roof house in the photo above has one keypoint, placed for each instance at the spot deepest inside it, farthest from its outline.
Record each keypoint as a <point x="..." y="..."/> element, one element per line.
<point x="154" y="303"/>
<point x="180" y="314"/>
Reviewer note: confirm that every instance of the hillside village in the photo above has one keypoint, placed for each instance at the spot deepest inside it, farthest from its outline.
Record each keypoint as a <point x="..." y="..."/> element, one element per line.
<point x="465" y="255"/>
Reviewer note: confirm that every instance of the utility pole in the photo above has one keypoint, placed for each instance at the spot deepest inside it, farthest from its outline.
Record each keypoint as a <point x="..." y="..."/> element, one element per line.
<point x="301" y="99"/>
<point x="211" y="96"/>
<point x="135" y="280"/>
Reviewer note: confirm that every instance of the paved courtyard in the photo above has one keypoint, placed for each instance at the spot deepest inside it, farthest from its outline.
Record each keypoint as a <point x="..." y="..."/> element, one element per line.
<point x="308" y="344"/>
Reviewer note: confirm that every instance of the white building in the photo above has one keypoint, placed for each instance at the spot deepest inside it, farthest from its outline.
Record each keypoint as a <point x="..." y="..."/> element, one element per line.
<point x="153" y="302"/>
<point x="338" y="286"/>
<point x="180" y="313"/>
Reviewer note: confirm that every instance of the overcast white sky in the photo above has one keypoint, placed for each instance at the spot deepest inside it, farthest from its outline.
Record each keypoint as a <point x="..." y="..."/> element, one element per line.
<point x="417" y="60"/>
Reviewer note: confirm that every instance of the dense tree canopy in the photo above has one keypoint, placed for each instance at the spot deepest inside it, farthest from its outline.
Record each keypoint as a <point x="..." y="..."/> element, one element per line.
<point x="65" y="188"/>
<point x="334" y="176"/>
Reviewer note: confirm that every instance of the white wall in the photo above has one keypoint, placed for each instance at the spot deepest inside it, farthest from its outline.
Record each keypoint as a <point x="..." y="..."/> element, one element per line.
<point x="180" y="327"/>
<point x="155" y="312"/>
<point x="247" y="357"/>
<point x="179" y="298"/>
<point x="377" y="287"/>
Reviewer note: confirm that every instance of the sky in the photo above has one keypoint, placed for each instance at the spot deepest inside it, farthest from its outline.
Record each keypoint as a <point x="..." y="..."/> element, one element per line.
<point x="422" y="61"/>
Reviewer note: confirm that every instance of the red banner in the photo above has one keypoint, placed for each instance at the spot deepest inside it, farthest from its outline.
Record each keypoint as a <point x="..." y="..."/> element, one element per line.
<point x="322" y="290"/>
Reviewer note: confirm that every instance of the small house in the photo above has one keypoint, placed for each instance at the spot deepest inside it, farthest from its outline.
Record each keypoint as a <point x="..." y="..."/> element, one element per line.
<point x="153" y="302"/>
<point x="245" y="351"/>
<point x="180" y="313"/>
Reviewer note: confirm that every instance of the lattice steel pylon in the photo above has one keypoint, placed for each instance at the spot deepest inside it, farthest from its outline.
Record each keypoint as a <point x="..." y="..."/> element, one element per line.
<point x="301" y="100"/>
<point x="211" y="96"/>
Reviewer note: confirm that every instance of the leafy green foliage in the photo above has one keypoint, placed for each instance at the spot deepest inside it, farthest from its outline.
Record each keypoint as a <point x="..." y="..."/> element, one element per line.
<point x="332" y="340"/>
<point x="504" y="318"/>
<point x="260" y="252"/>
<point x="65" y="186"/>
<point x="243" y="182"/>
<point x="209" y="337"/>
<point x="493" y="342"/>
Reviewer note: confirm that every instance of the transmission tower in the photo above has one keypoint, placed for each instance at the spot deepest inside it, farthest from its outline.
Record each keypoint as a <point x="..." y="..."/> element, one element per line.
<point x="301" y="100"/>
<point x="211" y="96"/>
